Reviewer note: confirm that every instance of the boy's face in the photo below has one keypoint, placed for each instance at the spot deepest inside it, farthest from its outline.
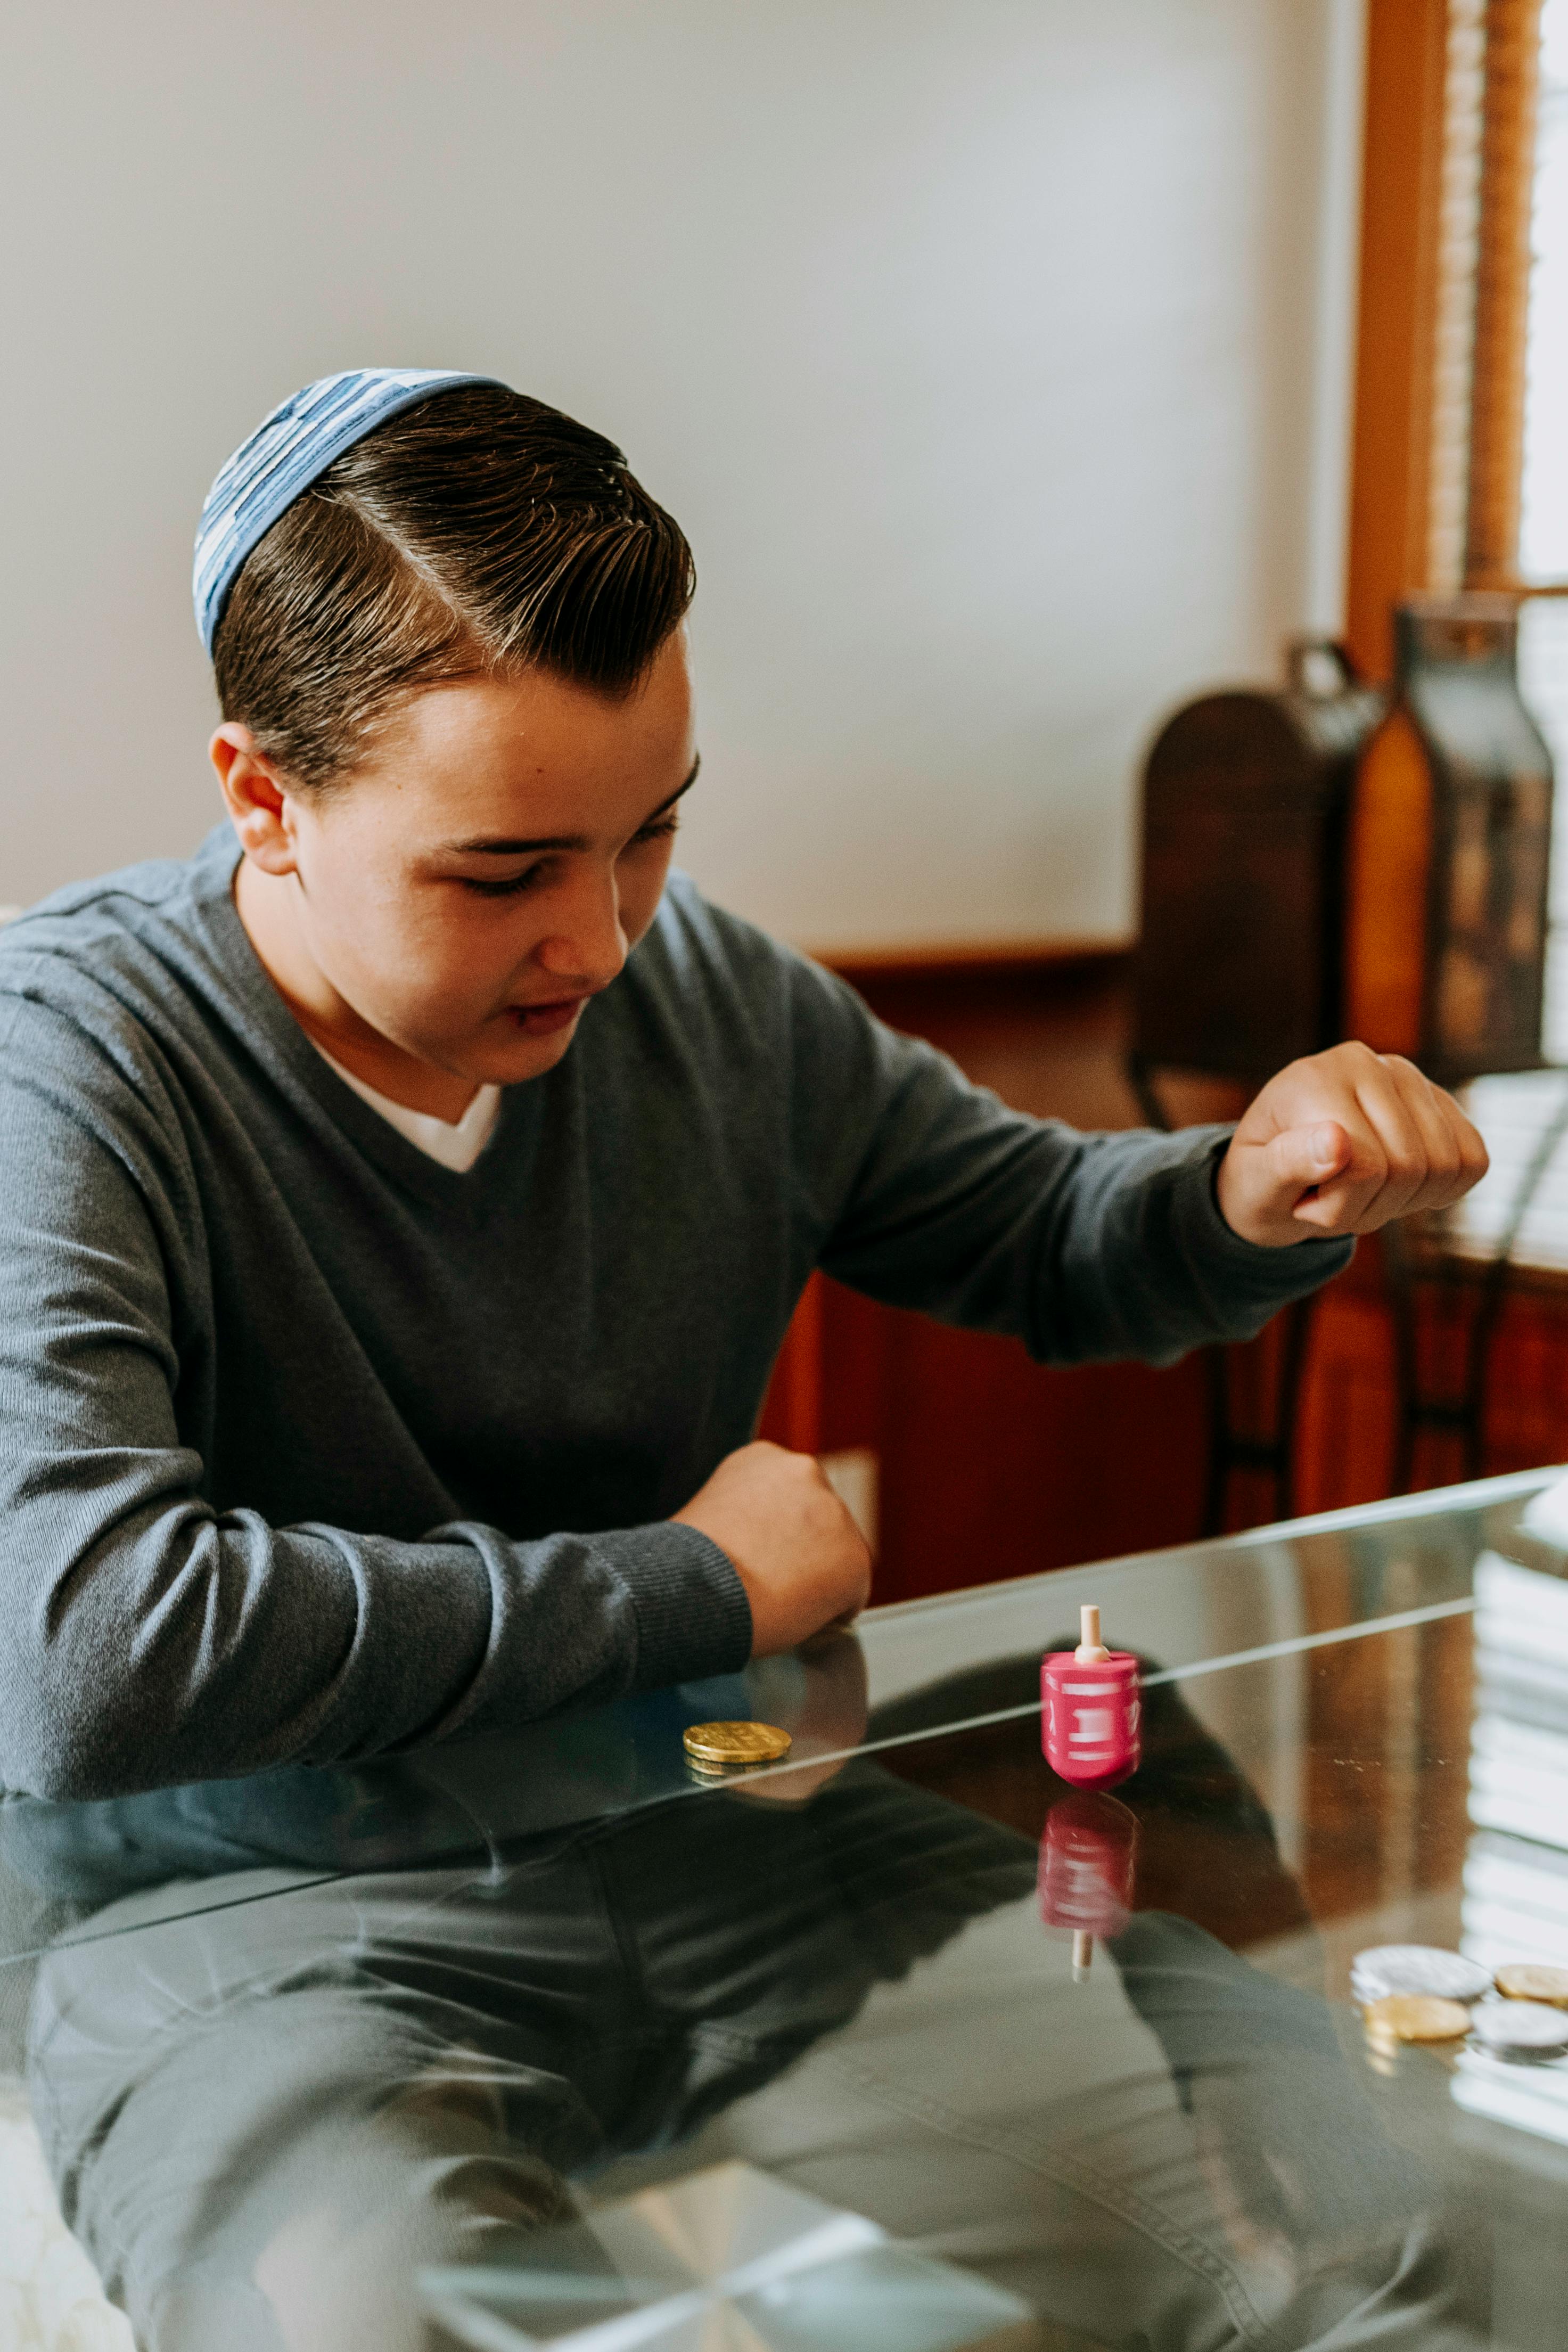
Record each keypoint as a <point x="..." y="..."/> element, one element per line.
<point x="483" y="872"/>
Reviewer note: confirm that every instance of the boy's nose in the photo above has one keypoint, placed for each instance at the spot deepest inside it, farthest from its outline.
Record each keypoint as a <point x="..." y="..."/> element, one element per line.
<point x="591" y="951"/>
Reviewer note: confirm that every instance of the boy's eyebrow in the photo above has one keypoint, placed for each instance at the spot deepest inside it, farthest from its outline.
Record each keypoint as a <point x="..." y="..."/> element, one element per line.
<point x="488" y="847"/>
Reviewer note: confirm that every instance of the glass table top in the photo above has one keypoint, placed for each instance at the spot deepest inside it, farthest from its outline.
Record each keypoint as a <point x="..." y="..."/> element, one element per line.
<point x="543" y="2039"/>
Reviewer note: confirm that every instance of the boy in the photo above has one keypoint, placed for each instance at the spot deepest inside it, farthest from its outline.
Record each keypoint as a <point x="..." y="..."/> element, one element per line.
<point x="411" y="1191"/>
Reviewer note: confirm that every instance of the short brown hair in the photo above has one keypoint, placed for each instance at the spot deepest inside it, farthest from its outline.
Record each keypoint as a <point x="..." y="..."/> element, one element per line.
<point x="478" y="532"/>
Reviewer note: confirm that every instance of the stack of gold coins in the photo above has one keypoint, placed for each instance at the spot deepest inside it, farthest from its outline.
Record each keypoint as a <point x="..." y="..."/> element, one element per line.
<point x="720" y="1749"/>
<point x="1528" y="1980"/>
<point x="1414" y="2017"/>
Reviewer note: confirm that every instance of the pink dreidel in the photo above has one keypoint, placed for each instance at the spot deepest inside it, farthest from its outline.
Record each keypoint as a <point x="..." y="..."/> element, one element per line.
<point x="1086" y="1860"/>
<point x="1090" y="1710"/>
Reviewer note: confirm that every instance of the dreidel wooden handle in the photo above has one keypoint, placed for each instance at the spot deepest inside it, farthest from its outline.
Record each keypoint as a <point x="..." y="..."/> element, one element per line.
<point x="1091" y="1649"/>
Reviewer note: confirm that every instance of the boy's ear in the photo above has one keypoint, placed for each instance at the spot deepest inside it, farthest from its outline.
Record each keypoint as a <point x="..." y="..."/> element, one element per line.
<point x="256" y="798"/>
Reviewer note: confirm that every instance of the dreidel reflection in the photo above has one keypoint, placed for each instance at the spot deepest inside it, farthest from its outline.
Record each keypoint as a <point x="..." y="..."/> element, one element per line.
<point x="1086" y="1862"/>
<point x="1090" y="1710"/>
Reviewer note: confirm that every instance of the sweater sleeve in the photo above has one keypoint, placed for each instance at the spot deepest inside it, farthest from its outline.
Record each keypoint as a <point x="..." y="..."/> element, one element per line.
<point x="147" y="1637"/>
<point x="926" y="1192"/>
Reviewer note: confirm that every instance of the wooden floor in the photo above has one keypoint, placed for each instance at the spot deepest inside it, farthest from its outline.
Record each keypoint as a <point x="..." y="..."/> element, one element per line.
<point x="987" y="1465"/>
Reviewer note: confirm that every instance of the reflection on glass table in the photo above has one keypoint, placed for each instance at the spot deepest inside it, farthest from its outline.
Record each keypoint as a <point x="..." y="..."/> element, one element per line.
<point x="723" y="2259"/>
<point x="538" y="2040"/>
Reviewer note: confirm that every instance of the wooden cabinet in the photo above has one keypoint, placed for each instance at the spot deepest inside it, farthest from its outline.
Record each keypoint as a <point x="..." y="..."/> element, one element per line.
<point x="1246" y="799"/>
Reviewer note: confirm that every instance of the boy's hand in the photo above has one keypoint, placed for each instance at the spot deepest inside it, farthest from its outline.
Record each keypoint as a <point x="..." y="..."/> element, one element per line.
<point x="821" y="1703"/>
<point x="1341" y="1143"/>
<point x="801" y="1557"/>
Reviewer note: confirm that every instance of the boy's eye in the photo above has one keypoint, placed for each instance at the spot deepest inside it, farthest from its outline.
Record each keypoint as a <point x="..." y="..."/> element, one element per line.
<point x="483" y="888"/>
<point x="659" y="830"/>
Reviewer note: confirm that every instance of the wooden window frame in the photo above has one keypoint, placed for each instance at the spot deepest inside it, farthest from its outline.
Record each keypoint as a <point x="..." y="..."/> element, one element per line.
<point x="1446" y="191"/>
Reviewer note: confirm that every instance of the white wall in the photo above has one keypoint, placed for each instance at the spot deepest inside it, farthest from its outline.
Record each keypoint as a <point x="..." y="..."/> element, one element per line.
<point x="987" y="349"/>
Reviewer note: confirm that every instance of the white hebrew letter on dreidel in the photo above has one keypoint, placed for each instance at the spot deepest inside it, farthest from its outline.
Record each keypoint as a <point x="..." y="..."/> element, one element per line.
<point x="1093" y="1723"/>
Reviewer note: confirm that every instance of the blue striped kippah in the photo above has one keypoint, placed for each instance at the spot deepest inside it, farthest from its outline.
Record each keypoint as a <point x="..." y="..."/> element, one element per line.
<point x="288" y="451"/>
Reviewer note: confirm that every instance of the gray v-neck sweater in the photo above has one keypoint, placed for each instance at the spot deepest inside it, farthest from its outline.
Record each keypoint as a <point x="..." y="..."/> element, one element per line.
<point x="311" y="1448"/>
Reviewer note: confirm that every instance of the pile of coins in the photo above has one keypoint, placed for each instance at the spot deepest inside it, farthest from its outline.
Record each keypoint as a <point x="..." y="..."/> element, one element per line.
<point x="1417" y="1993"/>
<point x="721" y="1750"/>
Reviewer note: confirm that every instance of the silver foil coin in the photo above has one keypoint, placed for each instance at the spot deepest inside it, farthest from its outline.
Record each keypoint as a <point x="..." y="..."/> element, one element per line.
<point x="1525" y="2029"/>
<point x="1418" y="1969"/>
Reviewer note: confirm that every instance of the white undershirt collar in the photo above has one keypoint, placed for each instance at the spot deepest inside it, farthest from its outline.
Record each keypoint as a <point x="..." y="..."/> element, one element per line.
<point x="457" y="1144"/>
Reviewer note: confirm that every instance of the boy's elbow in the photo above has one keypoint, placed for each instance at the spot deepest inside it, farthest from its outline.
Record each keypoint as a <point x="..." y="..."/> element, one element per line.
<point x="90" y="1701"/>
<point x="42" y="1770"/>
<point x="65" y="1764"/>
<point x="70" y="1732"/>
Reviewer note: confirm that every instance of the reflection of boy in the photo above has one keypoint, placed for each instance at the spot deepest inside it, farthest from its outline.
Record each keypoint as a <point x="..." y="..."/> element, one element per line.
<point x="265" y="2119"/>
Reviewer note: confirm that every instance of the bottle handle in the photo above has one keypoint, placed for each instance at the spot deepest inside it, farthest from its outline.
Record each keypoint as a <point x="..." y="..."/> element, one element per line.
<point x="1300" y="652"/>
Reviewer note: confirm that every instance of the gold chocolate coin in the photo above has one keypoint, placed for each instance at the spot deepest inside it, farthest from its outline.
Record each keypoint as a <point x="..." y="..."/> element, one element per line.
<point x="1417" y="2017"/>
<point x="732" y="1746"/>
<point x="1528" y="1981"/>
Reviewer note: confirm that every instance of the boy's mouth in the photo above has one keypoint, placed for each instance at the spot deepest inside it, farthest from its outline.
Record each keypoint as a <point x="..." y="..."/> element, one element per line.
<point x="546" y="1019"/>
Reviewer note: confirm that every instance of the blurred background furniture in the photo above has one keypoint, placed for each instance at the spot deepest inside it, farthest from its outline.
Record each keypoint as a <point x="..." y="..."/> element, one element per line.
<point x="1332" y="860"/>
<point x="1247" y="797"/>
<point x="1240" y="962"/>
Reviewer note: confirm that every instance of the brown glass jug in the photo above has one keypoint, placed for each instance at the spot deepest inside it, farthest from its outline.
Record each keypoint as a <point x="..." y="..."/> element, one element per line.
<point x="1450" y="840"/>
